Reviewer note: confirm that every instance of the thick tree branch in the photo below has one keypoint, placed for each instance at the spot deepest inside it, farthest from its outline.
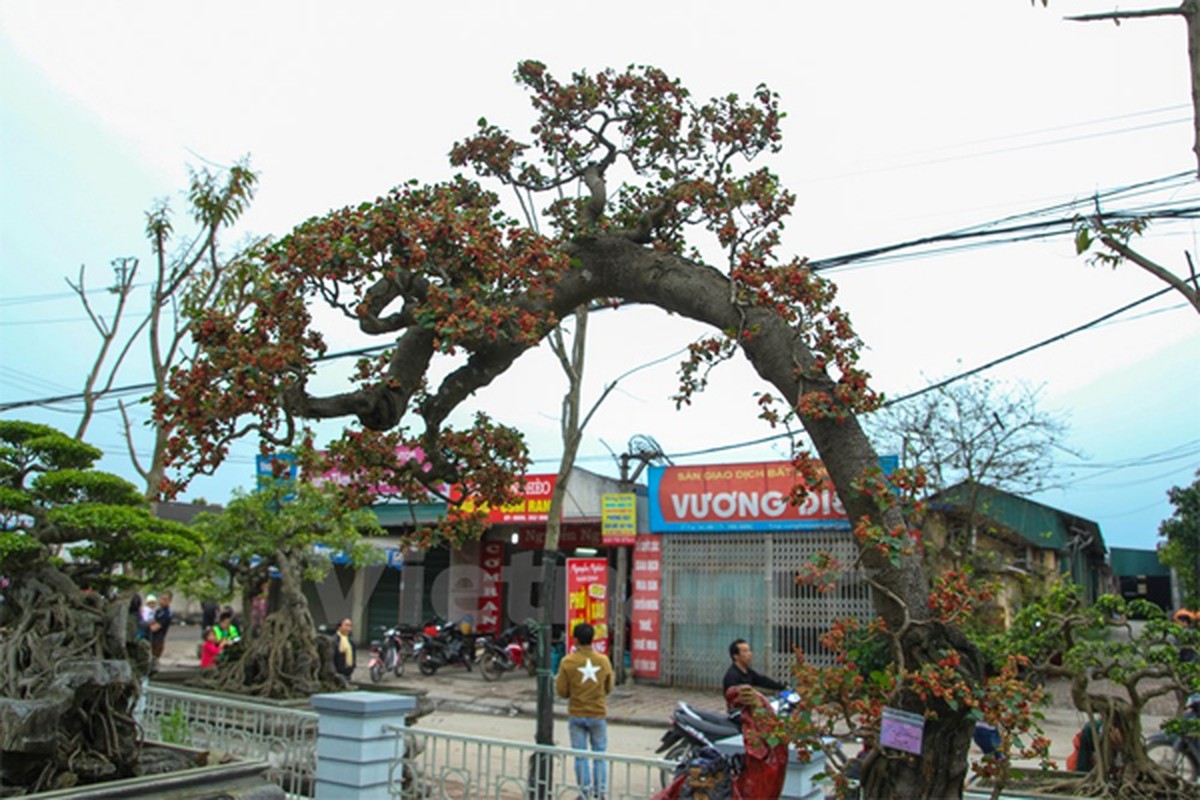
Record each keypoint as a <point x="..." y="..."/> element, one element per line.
<point x="1157" y="270"/>
<point x="1116" y="16"/>
<point x="611" y="265"/>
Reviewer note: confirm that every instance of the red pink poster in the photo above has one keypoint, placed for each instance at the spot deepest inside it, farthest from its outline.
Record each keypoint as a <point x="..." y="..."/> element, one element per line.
<point x="645" y="618"/>
<point x="587" y="599"/>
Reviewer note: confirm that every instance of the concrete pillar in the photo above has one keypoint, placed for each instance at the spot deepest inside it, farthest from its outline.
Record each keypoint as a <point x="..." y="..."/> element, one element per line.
<point x="353" y="749"/>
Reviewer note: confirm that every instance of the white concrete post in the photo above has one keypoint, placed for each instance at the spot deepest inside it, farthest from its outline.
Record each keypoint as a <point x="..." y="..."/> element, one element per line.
<point x="353" y="749"/>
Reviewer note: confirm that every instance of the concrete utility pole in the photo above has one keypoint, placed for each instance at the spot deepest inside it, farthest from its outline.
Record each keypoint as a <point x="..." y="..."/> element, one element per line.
<point x="644" y="450"/>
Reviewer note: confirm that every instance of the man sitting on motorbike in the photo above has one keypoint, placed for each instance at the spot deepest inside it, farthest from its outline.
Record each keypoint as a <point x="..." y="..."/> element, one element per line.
<point x="740" y="673"/>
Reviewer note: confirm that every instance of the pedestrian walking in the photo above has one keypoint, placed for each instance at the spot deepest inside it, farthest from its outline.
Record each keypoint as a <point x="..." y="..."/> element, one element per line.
<point x="585" y="678"/>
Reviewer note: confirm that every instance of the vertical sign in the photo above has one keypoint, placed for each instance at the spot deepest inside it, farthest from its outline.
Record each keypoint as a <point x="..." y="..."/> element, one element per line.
<point x="587" y="599"/>
<point x="491" y="559"/>
<point x="618" y="518"/>
<point x="276" y="469"/>
<point x="646" y="616"/>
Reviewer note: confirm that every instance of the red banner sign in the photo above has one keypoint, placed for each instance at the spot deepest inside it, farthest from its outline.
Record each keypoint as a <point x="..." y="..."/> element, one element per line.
<point x="645" y="618"/>
<point x="533" y="505"/>
<point x="587" y="599"/>
<point x="491" y="561"/>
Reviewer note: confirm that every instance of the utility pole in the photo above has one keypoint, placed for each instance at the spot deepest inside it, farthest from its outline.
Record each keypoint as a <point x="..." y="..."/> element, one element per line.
<point x="644" y="450"/>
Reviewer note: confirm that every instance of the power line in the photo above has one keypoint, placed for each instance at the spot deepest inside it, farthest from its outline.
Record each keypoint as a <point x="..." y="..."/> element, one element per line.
<point x="942" y="383"/>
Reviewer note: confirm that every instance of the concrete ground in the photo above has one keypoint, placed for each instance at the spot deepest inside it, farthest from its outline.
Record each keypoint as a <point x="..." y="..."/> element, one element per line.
<point x="453" y="689"/>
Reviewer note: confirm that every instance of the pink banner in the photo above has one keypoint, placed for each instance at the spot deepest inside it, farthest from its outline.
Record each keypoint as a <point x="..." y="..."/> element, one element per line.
<point x="587" y="599"/>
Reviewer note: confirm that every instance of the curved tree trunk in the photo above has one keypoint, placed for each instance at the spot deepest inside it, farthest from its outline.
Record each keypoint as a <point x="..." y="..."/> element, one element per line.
<point x="941" y="769"/>
<point x="613" y="265"/>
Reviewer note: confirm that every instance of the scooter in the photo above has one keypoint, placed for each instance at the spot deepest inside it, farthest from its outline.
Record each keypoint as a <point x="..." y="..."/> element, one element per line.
<point x="512" y="649"/>
<point x="447" y="646"/>
<point x="693" y="729"/>
<point x="758" y="772"/>
<point x="1179" y="754"/>
<point x="389" y="656"/>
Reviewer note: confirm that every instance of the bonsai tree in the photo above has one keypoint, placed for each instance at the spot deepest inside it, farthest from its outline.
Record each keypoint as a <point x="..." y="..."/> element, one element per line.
<point x="73" y="542"/>
<point x="1115" y="668"/>
<point x="289" y="528"/>
<point x="640" y="194"/>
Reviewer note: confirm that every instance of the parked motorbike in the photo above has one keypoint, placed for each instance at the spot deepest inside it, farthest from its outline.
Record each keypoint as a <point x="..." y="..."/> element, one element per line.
<point x="759" y="771"/>
<point x="398" y="646"/>
<point x="693" y="729"/>
<point x="1179" y="754"/>
<point x="511" y="649"/>
<point x="444" y="646"/>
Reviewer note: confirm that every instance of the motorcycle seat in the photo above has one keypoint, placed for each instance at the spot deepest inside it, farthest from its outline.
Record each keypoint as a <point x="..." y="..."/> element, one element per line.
<point x="711" y="730"/>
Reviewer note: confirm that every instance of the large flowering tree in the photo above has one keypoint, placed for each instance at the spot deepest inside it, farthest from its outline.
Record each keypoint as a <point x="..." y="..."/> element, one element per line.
<point x="642" y="194"/>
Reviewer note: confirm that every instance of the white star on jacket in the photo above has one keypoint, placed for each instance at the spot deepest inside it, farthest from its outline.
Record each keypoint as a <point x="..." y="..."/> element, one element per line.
<point x="589" y="672"/>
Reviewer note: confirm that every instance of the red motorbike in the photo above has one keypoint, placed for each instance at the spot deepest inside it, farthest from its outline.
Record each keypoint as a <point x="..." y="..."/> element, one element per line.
<point x="512" y="649"/>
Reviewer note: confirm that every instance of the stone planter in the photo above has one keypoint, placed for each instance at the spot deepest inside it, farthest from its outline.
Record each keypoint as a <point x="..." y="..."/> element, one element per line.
<point x="1025" y="785"/>
<point x="235" y="780"/>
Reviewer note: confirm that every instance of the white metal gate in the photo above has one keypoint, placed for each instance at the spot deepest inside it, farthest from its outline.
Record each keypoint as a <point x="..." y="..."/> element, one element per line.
<point x="721" y="587"/>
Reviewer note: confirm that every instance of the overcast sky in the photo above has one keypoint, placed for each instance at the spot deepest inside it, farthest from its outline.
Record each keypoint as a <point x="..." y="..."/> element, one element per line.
<point x="904" y="120"/>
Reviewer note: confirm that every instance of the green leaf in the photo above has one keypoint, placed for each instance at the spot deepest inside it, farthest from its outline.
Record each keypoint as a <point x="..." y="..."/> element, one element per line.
<point x="1083" y="240"/>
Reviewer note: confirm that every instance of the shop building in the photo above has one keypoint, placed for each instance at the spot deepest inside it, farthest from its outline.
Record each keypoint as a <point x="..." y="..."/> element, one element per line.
<point x="496" y="581"/>
<point x="729" y="548"/>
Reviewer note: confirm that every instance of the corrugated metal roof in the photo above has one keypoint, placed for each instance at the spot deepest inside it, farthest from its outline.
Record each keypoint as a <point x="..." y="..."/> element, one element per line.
<point x="1129" y="562"/>
<point x="1040" y="525"/>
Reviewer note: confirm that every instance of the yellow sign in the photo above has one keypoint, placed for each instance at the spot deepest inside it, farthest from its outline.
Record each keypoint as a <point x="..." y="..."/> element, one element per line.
<point x="618" y="518"/>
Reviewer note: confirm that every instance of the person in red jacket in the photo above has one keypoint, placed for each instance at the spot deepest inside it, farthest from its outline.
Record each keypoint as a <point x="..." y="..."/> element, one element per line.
<point x="210" y="650"/>
<point x="585" y="678"/>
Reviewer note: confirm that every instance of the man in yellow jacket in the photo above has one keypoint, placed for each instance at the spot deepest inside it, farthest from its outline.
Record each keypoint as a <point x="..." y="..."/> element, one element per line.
<point x="585" y="678"/>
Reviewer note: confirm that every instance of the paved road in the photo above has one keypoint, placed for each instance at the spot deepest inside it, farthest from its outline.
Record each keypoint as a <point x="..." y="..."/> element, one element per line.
<point x="645" y="709"/>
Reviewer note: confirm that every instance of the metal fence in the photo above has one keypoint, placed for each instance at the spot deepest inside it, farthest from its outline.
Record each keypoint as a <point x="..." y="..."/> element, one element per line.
<point x="438" y="766"/>
<point x="286" y="738"/>
<point x="721" y="587"/>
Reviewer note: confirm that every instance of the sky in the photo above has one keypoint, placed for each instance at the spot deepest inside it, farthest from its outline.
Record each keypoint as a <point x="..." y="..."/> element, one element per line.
<point x="904" y="121"/>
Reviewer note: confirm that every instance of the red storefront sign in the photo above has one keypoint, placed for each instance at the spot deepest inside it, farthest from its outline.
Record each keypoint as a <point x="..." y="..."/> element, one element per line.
<point x="587" y="599"/>
<point x="491" y="561"/>
<point x="645" y="618"/>
<point x="533" y="506"/>
<point x="729" y="497"/>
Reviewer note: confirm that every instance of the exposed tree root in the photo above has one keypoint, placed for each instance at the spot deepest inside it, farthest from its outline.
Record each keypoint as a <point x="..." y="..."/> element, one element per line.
<point x="285" y="660"/>
<point x="69" y="660"/>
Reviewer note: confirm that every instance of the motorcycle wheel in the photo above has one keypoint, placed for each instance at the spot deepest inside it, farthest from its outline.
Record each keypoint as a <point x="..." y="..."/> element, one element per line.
<point x="376" y="672"/>
<point x="1174" y="759"/>
<point x="679" y="753"/>
<point x="427" y="666"/>
<point x="531" y="665"/>
<point x="490" y="668"/>
<point x="399" y="668"/>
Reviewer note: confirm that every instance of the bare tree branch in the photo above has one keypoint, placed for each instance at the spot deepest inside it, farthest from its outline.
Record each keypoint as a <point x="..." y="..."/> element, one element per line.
<point x="1189" y="10"/>
<point x="1157" y="270"/>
